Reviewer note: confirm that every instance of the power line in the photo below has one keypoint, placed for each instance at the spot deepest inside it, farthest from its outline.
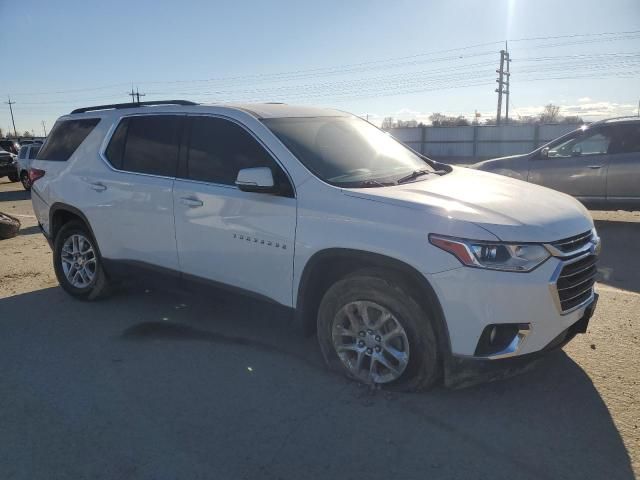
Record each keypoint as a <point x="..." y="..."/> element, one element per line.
<point x="377" y="64"/>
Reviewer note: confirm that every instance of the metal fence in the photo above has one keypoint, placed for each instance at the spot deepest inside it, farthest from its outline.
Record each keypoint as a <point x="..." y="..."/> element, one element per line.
<point x="477" y="142"/>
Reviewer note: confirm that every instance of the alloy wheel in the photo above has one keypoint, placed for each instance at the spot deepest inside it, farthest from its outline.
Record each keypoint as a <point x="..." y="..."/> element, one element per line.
<point x="370" y="342"/>
<point x="78" y="261"/>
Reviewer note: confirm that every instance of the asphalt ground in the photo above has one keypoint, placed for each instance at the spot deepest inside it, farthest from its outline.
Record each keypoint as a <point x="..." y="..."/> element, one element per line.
<point x="151" y="385"/>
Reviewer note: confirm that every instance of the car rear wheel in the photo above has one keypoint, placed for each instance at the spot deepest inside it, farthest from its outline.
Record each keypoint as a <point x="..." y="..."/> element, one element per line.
<point x="370" y="329"/>
<point x="13" y="177"/>
<point x="77" y="263"/>
<point x="26" y="183"/>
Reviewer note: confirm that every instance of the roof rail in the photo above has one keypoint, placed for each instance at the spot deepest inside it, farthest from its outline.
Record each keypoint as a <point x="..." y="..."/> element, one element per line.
<point x="117" y="106"/>
<point x="626" y="118"/>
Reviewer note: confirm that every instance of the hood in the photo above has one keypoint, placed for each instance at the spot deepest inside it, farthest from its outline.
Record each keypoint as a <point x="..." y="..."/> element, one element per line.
<point x="495" y="162"/>
<point x="510" y="209"/>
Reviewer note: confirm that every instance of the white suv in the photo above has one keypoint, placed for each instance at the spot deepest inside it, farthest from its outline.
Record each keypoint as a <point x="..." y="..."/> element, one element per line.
<point x="407" y="269"/>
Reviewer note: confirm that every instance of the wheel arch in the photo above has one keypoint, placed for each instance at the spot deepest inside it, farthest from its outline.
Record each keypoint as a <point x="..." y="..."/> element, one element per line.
<point x="328" y="266"/>
<point x="61" y="213"/>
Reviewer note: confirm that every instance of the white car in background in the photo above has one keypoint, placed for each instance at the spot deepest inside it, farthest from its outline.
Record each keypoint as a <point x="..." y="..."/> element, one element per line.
<point x="406" y="269"/>
<point x="26" y="155"/>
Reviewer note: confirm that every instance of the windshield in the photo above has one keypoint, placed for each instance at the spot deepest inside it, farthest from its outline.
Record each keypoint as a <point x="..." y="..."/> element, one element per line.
<point x="347" y="151"/>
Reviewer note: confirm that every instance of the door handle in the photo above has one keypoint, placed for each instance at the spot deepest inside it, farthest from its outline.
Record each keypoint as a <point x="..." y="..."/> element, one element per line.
<point x="98" y="187"/>
<point x="595" y="167"/>
<point x="191" y="202"/>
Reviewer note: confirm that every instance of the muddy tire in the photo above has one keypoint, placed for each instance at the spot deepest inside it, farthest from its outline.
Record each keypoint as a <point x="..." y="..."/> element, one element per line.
<point x="373" y="331"/>
<point x="78" y="264"/>
<point x="9" y="226"/>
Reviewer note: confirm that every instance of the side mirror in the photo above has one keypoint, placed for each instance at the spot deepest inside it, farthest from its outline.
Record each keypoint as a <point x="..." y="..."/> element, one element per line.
<point x="544" y="153"/>
<point x="257" y="179"/>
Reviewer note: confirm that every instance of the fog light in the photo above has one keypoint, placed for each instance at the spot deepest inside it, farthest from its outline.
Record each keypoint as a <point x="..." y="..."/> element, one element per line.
<point x="497" y="339"/>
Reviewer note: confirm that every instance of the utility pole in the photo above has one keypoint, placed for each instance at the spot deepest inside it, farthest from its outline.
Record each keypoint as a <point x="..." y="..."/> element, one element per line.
<point x="503" y="81"/>
<point x="15" y="133"/>
<point x="138" y="95"/>
<point x="44" y="128"/>
<point x="508" y="81"/>
<point x="135" y="96"/>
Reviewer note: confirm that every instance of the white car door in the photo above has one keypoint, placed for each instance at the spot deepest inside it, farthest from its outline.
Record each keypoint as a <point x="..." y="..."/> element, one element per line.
<point x="129" y="202"/>
<point x="225" y="235"/>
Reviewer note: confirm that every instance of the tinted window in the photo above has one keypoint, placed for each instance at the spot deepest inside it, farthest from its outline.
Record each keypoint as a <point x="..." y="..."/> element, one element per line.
<point x="626" y="139"/>
<point x="591" y="143"/>
<point x="115" y="150"/>
<point x="151" y="145"/>
<point x="10" y="146"/>
<point x="219" y="149"/>
<point x="65" y="138"/>
<point x="23" y="152"/>
<point x="33" y="152"/>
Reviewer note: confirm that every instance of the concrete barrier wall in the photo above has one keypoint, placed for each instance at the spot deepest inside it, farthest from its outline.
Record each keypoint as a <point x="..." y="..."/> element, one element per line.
<point x="472" y="143"/>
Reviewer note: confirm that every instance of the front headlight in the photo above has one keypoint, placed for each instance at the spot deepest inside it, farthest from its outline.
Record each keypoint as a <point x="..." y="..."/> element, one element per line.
<point x="510" y="257"/>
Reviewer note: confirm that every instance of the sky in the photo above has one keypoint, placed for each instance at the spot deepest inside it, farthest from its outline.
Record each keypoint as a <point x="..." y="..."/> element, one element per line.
<point x="401" y="58"/>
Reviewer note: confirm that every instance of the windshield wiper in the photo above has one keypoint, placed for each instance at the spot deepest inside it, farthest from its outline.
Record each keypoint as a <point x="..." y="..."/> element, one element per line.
<point x="415" y="174"/>
<point x="366" y="184"/>
<point x="418" y="173"/>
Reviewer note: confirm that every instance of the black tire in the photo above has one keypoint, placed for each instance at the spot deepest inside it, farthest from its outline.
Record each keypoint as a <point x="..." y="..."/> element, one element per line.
<point x="424" y="366"/>
<point x="14" y="177"/>
<point x="99" y="287"/>
<point x="26" y="183"/>
<point x="9" y="226"/>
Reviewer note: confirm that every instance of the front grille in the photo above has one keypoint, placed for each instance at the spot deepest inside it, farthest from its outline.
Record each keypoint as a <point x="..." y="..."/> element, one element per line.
<point x="573" y="243"/>
<point x="575" y="282"/>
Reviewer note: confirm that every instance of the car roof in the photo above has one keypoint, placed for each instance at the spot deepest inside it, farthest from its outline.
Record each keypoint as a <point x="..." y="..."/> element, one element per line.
<point x="628" y="119"/>
<point x="258" y="110"/>
<point x="283" y="110"/>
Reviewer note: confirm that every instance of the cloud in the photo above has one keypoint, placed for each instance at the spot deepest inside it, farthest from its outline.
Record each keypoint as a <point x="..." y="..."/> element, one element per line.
<point x="585" y="108"/>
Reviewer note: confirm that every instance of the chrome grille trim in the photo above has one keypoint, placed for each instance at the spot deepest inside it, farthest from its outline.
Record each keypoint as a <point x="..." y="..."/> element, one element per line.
<point x="573" y="287"/>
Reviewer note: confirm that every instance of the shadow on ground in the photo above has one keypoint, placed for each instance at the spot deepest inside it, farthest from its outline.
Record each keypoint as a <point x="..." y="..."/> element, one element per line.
<point x="150" y="385"/>
<point x="618" y="264"/>
<point x="13" y="195"/>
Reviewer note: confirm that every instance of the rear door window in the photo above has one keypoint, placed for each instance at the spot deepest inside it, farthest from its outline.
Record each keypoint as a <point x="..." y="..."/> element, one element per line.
<point x="147" y="144"/>
<point x="23" y="152"/>
<point x="626" y="139"/>
<point x="65" y="137"/>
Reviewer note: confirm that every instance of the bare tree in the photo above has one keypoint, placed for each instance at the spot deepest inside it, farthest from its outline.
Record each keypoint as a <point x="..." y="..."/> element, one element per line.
<point x="387" y="123"/>
<point x="550" y="114"/>
<point x="440" y="120"/>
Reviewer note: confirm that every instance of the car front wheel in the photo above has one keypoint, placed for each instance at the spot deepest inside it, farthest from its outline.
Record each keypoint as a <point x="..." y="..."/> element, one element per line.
<point x="370" y="329"/>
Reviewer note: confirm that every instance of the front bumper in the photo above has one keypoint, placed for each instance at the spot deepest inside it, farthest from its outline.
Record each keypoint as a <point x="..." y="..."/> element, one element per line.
<point x="464" y="371"/>
<point x="473" y="298"/>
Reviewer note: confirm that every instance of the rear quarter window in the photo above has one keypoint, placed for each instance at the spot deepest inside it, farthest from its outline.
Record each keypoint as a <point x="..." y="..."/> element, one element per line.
<point x="65" y="137"/>
<point x="33" y="152"/>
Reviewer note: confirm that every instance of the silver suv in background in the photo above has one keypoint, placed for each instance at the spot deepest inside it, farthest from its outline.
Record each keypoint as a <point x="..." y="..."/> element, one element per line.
<point x="26" y="155"/>
<point x="599" y="164"/>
